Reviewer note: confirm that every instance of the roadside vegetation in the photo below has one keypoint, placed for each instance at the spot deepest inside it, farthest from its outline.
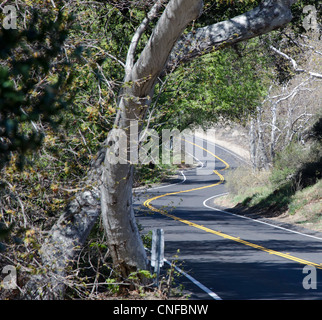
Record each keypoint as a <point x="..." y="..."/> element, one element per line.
<point x="283" y="180"/>
<point x="291" y="190"/>
<point x="257" y="195"/>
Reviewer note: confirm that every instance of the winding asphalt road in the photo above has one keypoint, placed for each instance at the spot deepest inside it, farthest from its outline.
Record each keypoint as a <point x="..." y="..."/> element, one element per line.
<point x="228" y="256"/>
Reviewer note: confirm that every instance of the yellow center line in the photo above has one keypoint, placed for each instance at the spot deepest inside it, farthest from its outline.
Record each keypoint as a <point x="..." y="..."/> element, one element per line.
<point x="218" y="233"/>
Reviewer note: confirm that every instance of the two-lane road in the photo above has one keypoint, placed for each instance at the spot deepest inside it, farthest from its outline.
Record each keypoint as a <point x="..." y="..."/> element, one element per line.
<point x="233" y="256"/>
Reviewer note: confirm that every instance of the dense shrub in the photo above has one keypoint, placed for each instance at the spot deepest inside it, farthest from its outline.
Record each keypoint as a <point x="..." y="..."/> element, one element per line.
<point x="300" y="164"/>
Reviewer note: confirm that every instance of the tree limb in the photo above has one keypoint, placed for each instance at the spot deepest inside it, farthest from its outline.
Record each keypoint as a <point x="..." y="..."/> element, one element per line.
<point x="138" y="34"/>
<point x="268" y="16"/>
<point x="294" y="64"/>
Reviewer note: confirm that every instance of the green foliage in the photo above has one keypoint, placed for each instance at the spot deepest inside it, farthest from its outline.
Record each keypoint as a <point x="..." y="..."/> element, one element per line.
<point x="29" y="90"/>
<point x="103" y="30"/>
<point x="169" y="284"/>
<point x="300" y="165"/>
<point x="287" y="163"/>
<point x="113" y="285"/>
<point x="227" y="83"/>
<point x="147" y="239"/>
<point x="308" y="203"/>
<point x="147" y="174"/>
<point x="133" y="281"/>
<point x="139" y="274"/>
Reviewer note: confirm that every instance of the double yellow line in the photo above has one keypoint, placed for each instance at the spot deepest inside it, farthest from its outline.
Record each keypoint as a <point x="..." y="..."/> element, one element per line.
<point x="147" y="204"/>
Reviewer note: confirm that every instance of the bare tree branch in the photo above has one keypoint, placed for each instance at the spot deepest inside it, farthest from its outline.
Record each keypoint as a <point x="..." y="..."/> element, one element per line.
<point x="294" y="64"/>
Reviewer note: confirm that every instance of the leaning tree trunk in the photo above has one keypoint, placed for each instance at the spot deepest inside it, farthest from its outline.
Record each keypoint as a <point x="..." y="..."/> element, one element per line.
<point x="124" y="240"/>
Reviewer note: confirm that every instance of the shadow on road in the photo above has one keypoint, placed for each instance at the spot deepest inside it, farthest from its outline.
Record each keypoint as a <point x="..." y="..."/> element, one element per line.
<point x="240" y="280"/>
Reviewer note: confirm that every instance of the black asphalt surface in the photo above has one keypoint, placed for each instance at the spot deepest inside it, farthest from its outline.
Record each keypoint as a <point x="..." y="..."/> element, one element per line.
<point x="230" y="269"/>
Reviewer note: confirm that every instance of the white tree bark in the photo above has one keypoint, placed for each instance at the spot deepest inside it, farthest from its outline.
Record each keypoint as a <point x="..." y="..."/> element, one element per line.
<point x="116" y="190"/>
<point x="252" y="143"/>
<point x="270" y="15"/>
<point x="261" y="156"/>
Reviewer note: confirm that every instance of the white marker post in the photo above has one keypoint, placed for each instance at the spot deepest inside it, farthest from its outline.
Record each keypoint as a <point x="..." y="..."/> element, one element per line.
<point x="157" y="254"/>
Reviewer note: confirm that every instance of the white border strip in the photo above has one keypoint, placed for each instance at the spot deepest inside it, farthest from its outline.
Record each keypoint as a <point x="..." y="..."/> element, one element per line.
<point x="237" y="215"/>
<point x="193" y="280"/>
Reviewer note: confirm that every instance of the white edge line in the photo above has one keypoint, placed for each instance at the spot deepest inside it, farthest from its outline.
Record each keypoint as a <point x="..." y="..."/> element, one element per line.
<point x="171" y="184"/>
<point x="180" y="182"/>
<point x="259" y="221"/>
<point x="192" y="279"/>
<point x="196" y="282"/>
<point x="142" y="189"/>
<point x="237" y="215"/>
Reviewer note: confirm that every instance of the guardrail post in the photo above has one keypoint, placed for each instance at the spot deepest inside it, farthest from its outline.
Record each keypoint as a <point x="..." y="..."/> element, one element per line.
<point x="157" y="254"/>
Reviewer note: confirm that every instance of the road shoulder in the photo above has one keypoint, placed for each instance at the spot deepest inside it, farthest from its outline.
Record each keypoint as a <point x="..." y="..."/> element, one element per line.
<point x="278" y="221"/>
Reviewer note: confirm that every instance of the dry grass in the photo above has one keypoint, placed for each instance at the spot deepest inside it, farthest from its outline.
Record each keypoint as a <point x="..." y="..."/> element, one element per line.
<point x="253" y="191"/>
